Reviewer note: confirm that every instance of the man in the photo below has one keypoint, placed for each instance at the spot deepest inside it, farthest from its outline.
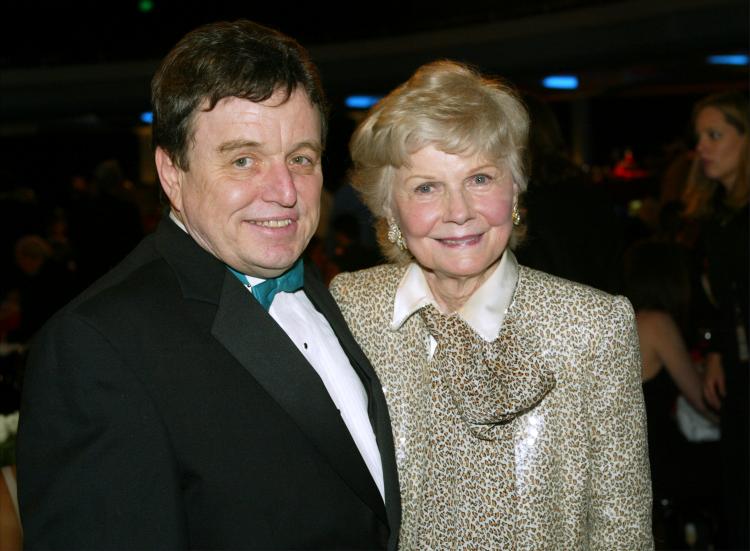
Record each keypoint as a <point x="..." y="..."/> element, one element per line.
<point x="166" y="407"/>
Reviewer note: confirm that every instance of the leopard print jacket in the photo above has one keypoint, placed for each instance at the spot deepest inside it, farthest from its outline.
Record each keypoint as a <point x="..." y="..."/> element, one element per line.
<point x="569" y="473"/>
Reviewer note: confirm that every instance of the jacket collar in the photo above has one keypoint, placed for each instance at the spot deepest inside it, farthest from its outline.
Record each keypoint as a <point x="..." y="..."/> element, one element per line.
<point x="199" y="273"/>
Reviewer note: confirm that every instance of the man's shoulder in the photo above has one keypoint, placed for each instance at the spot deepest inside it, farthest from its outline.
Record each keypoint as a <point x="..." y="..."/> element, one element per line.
<point x="130" y="287"/>
<point x="115" y="304"/>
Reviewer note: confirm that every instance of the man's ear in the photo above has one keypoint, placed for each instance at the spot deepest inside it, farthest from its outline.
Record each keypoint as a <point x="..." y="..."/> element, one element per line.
<point x="171" y="178"/>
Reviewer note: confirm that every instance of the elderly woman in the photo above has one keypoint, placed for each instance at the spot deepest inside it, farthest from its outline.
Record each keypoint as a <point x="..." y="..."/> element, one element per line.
<point x="515" y="396"/>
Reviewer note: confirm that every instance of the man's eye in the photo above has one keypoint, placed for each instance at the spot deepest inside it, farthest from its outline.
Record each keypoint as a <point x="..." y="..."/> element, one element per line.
<point x="242" y="162"/>
<point x="301" y="160"/>
<point x="714" y="134"/>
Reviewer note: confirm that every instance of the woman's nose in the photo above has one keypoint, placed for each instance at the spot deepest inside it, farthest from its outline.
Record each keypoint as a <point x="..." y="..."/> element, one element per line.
<point x="458" y="207"/>
<point x="702" y="144"/>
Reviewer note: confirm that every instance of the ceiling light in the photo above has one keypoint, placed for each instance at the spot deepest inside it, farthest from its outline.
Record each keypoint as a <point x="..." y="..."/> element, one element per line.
<point x="728" y="59"/>
<point x="361" y="102"/>
<point x="560" y="82"/>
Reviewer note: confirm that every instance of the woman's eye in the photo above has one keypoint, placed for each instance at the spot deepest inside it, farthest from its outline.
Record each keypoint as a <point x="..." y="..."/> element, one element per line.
<point x="481" y="179"/>
<point x="423" y="188"/>
<point x="714" y="134"/>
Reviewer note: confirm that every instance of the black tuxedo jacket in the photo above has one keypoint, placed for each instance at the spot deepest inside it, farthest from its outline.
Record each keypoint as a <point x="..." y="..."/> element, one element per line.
<point x="165" y="409"/>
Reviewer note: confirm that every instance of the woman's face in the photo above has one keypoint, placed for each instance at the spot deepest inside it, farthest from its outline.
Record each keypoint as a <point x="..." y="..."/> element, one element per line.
<point x="719" y="147"/>
<point x="454" y="211"/>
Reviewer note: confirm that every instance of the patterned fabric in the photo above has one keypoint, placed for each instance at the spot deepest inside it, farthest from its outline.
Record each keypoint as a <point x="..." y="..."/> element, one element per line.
<point x="485" y="392"/>
<point x="535" y="442"/>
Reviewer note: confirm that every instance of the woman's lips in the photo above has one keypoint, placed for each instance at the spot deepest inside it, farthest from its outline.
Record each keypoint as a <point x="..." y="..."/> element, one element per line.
<point x="464" y="241"/>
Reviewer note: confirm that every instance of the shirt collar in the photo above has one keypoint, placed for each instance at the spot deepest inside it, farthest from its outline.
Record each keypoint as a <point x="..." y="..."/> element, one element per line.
<point x="484" y="311"/>
<point x="177" y="221"/>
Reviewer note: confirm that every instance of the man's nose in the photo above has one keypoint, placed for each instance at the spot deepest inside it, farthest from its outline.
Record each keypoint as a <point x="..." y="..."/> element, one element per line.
<point x="279" y="186"/>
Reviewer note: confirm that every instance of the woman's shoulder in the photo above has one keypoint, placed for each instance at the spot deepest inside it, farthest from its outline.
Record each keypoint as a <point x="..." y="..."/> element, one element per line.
<point x="543" y="282"/>
<point x="368" y="284"/>
<point x="366" y="297"/>
<point x="546" y="291"/>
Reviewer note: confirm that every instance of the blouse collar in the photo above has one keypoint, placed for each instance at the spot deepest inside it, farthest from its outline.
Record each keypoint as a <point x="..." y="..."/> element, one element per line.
<point x="484" y="311"/>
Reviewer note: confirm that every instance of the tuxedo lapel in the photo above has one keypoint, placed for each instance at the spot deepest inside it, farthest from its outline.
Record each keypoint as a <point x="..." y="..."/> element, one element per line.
<point x="252" y="336"/>
<point x="322" y="300"/>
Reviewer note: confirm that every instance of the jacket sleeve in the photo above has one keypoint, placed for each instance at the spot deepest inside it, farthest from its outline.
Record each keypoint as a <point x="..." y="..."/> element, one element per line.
<point x="95" y="466"/>
<point x="620" y="511"/>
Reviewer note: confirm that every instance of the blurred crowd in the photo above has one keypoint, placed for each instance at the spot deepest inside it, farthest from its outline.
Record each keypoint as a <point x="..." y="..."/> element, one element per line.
<point x="51" y="250"/>
<point x="676" y="245"/>
<point x="678" y="249"/>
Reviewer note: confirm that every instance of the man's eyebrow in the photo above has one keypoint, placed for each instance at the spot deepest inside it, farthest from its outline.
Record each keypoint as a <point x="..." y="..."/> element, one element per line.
<point x="236" y="144"/>
<point x="233" y="145"/>
<point x="315" y="146"/>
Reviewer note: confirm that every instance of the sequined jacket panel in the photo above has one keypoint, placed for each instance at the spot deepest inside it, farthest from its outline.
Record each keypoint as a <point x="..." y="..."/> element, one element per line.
<point x="571" y="472"/>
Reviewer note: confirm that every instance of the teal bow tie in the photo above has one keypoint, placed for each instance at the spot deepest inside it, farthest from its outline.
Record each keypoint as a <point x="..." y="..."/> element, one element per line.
<point x="288" y="282"/>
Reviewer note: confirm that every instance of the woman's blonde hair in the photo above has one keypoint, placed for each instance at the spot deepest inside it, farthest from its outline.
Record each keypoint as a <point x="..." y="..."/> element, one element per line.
<point x="700" y="191"/>
<point x="445" y="104"/>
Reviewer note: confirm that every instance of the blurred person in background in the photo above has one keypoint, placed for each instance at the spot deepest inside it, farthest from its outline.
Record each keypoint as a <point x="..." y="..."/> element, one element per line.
<point x="515" y="395"/>
<point x="716" y="200"/>
<point x="37" y="282"/>
<point x="107" y="201"/>
<point x="657" y="281"/>
<point x="561" y="206"/>
<point x="11" y="534"/>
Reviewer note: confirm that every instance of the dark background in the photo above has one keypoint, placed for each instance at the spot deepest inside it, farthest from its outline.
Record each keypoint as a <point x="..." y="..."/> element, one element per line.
<point x="74" y="77"/>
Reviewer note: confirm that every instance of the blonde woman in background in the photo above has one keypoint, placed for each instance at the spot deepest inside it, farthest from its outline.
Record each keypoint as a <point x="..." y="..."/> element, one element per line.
<point x="716" y="200"/>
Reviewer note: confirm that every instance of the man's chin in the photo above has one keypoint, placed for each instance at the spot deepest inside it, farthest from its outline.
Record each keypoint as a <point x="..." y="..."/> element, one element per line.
<point x="271" y="269"/>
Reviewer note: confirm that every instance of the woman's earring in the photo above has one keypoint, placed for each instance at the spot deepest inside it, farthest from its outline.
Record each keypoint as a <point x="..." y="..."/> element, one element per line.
<point x="516" y="216"/>
<point x="394" y="234"/>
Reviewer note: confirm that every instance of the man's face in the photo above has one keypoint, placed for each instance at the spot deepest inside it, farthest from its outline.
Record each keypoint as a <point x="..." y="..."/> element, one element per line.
<point x="251" y="194"/>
